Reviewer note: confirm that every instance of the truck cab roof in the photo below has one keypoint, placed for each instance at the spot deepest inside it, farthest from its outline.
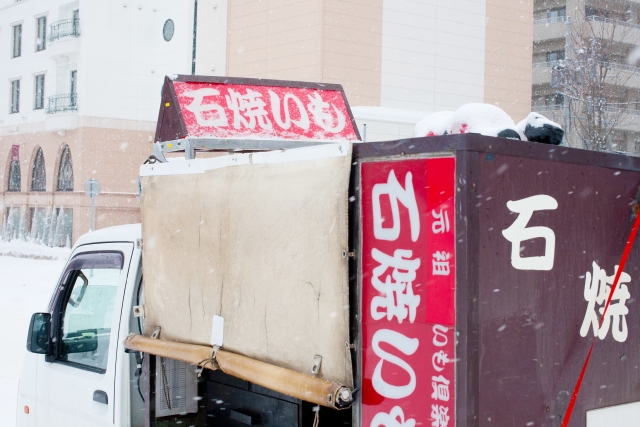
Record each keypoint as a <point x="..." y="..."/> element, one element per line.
<point x="120" y="233"/>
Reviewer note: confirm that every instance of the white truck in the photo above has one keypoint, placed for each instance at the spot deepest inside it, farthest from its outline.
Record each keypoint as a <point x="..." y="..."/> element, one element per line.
<point x="302" y="280"/>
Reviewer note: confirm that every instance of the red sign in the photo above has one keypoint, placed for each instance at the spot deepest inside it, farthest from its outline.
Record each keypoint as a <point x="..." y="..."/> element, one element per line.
<point x="15" y="153"/>
<point x="408" y="297"/>
<point x="222" y="110"/>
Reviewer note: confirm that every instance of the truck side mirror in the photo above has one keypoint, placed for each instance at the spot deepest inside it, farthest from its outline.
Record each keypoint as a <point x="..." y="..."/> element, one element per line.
<point x="39" y="333"/>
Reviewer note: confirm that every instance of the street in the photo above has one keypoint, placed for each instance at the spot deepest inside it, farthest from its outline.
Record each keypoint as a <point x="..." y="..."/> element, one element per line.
<point x="25" y="288"/>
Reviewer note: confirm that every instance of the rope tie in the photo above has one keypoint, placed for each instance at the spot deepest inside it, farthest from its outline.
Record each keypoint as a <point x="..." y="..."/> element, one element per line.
<point x="210" y="361"/>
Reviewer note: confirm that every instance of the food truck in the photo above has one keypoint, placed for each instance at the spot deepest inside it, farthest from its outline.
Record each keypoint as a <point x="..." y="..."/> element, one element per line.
<point x="286" y="274"/>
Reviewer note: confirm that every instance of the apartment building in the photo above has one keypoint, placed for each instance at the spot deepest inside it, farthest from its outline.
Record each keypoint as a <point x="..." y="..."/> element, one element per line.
<point x="80" y="88"/>
<point x="559" y="26"/>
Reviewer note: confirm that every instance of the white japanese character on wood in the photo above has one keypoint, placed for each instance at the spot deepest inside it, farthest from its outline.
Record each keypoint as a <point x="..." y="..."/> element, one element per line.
<point x="405" y="345"/>
<point x="596" y="291"/>
<point x="441" y="223"/>
<point x="518" y="232"/>
<point x="440" y="335"/>
<point x="248" y="109"/>
<point x="210" y="114"/>
<point x="440" y="263"/>
<point x="322" y="116"/>
<point x="396" y="193"/>
<point x="395" y="418"/>
<point x="302" y="122"/>
<point x="440" y="388"/>
<point x="439" y="360"/>
<point x="398" y="300"/>
<point x="439" y="416"/>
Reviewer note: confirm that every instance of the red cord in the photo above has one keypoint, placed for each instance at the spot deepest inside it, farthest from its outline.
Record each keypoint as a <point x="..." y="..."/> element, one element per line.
<point x="623" y="261"/>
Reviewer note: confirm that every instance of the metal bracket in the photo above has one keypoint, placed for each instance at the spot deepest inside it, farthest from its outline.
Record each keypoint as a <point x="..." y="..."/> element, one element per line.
<point x="156" y="333"/>
<point x="138" y="311"/>
<point x="158" y="152"/>
<point x="317" y="361"/>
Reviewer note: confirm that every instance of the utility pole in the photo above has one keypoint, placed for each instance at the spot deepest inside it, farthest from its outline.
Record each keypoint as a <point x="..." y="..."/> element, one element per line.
<point x="195" y="33"/>
<point x="565" y="98"/>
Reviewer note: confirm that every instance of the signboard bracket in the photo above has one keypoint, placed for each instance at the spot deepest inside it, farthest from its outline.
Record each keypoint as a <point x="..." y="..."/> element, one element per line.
<point x="191" y="145"/>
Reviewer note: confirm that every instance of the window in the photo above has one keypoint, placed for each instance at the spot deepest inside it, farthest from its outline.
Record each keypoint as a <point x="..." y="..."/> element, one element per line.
<point x="15" y="96"/>
<point x="555" y="99"/>
<point x="76" y="22"/>
<point x="38" y="101"/>
<point x="90" y="285"/>
<point x="74" y="87"/>
<point x="41" y="37"/>
<point x="65" y="171"/>
<point x="17" y="41"/>
<point x="557" y="14"/>
<point x="555" y="56"/>
<point x="38" y="172"/>
<point x="168" y="29"/>
<point x="14" y="176"/>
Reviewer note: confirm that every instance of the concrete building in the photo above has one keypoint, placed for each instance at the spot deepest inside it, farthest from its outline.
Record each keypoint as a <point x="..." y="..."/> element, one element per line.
<point x="81" y="79"/>
<point x="80" y="83"/>
<point x="557" y="26"/>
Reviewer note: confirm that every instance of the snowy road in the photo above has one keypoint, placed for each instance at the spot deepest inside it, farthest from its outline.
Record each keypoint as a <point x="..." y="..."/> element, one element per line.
<point x="25" y="288"/>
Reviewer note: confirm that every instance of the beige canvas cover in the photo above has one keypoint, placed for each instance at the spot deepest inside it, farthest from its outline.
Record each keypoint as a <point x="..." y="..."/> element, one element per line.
<point x="257" y="239"/>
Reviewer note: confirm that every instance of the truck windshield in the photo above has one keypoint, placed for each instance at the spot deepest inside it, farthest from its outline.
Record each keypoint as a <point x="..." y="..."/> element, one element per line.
<point x="88" y="311"/>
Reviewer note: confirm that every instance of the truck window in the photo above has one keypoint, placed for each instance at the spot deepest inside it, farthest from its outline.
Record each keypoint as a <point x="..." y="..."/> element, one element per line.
<point x="87" y="310"/>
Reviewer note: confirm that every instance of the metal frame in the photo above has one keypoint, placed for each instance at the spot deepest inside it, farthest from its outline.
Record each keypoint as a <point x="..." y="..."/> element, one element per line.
<point x="191" y="145"/>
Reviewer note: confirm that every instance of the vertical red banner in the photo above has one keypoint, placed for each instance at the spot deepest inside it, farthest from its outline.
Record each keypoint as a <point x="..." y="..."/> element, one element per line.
<point x="408" y="296"/>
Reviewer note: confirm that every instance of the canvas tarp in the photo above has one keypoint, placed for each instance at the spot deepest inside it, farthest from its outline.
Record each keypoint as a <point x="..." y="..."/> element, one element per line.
<point x="261" y="241"/>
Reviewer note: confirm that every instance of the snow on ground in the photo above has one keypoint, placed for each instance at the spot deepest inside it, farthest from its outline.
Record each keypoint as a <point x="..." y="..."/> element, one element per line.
<point x="27" y="277"/>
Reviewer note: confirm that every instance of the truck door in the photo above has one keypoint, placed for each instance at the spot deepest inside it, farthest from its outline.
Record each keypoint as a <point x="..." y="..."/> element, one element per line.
<point x="77" y="382"/>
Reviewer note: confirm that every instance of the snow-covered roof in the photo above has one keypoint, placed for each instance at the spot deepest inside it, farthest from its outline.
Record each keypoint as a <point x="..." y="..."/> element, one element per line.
<point x="393" y="115"/>
<point x="120" y="233"/>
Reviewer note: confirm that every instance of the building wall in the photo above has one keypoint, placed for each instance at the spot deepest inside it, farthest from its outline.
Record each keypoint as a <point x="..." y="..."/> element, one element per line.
<point x="433" y="54"/>
<point x="509" y="40"/>
<point x="211" y="48"/>
<point x="331" y="41"/>
<point x="121" y="59"/>
<point x="426" y="55"/>
<point x="114" y="163"/>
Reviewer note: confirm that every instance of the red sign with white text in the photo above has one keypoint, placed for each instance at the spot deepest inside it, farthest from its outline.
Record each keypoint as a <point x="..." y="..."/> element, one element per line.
<point x="408" y="297"/>
<point x="222" y="110"/>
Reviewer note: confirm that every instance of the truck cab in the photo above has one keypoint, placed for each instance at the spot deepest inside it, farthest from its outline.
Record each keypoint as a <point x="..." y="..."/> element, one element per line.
<point x="81" y="376"/>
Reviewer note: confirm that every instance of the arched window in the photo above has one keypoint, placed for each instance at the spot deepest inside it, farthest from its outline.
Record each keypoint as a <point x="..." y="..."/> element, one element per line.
<point x="38" y="173"/>
<point x="65" y="171"/>
<point x="14" y="176"/>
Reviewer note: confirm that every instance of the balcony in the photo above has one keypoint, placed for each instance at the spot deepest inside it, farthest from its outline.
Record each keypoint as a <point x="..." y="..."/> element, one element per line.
<point x="62" y="112"/>
<point x="616" y="22"/>
<point x="64" y="41"/>
<point x="549" y="29"/>
<point x="62" y="103"/>
<point x="64" y="28"/>
<point x="542" y="72"/>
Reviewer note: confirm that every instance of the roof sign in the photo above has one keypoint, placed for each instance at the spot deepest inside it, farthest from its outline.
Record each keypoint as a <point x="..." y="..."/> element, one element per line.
<point x="232" y="108"/>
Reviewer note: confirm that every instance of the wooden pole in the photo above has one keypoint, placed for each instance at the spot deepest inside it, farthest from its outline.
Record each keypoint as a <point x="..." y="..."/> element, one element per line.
<point x="285" y="381"/>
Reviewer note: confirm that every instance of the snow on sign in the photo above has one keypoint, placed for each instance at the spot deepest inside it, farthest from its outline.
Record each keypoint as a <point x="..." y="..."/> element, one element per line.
<point x="408" y="271"/>
<point x="212" y="107"/>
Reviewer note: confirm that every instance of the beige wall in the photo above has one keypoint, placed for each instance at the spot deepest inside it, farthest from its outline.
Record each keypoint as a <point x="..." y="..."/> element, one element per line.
<point x="329" y="41"/>
<point x="113" y="156"/>
<point x="509" y="41"/>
